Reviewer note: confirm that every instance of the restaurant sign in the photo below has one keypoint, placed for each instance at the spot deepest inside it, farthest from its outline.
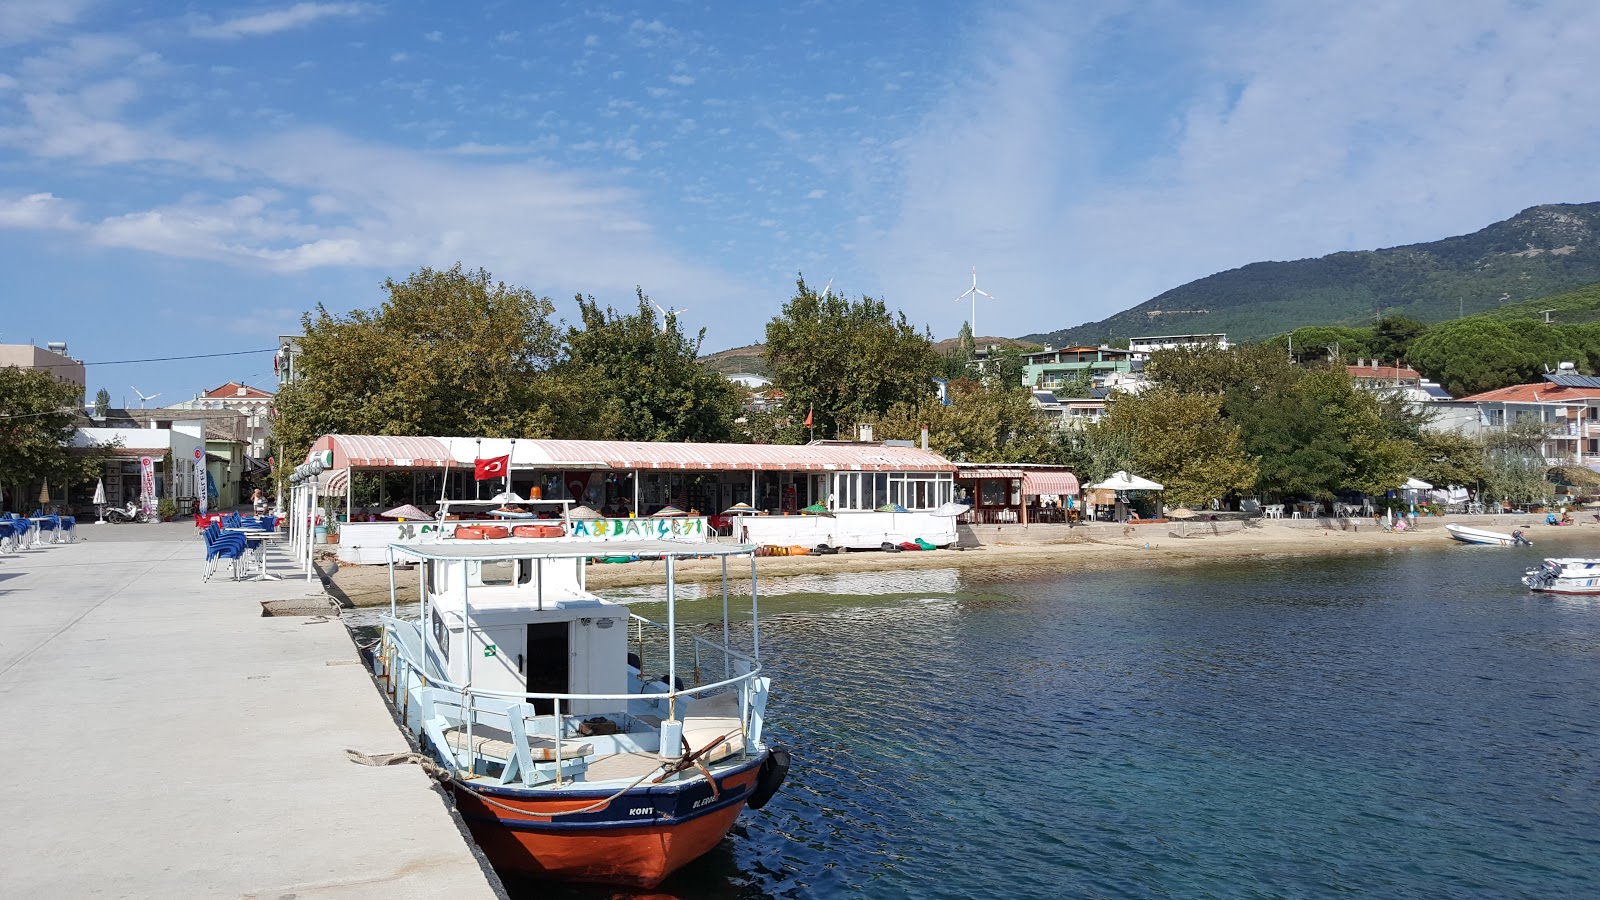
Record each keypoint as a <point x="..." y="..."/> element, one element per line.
<point x="147" y="484"/>
<point x="689" y="528"/>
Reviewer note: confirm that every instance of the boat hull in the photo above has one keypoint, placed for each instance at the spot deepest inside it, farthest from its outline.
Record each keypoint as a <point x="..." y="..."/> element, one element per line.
<point x="636" y="840"/>
<point x="1481" y="536"/>
<point x="1565" y="576"/>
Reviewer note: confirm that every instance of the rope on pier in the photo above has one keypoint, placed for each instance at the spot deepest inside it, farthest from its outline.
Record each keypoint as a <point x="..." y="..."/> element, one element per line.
<point x="445" y="776"/>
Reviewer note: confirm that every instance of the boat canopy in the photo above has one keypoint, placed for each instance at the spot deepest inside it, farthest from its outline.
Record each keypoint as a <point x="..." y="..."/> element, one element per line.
<point x="555" y="548"/>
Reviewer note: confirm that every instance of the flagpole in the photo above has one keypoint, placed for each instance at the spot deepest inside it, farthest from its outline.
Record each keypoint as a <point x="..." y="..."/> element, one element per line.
<point x="477" y="486"/>
<point x="508" y="464"/>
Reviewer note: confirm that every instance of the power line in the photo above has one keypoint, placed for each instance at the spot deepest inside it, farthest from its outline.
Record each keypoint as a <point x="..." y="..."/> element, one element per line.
<point x="123" y="362"/>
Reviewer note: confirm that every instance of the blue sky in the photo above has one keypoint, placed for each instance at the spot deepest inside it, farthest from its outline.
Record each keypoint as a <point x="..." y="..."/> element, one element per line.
<point x="187" y="178"/>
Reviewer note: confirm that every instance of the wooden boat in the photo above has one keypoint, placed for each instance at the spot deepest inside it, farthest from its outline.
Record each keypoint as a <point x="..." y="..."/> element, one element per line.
<point x="1468" y="535"/>
<point x="1565" y="575"/>
<point x="562" y="721"/>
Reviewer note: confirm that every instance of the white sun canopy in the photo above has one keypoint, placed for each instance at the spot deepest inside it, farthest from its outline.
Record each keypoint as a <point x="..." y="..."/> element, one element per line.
<point x="1122" y="481"/>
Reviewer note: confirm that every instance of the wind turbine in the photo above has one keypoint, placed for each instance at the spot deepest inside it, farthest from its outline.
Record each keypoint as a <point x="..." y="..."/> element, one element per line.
<point x="142" y="397"/>
<point x="973" y="292"/>
<point x="667" y="312"/>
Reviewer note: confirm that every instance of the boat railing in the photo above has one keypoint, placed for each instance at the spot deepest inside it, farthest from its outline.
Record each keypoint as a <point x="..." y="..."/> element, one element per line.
<point x="731" y="659"/>
<point x="511" y="711"/>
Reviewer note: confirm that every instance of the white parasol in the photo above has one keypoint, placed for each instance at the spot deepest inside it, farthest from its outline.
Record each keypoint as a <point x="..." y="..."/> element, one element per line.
<point x="100" y="500"/>
<point x="408" y="511"/>
<point x="1122" y="481"/>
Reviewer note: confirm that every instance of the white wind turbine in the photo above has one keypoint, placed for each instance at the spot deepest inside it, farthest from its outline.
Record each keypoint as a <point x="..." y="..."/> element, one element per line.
<point x="669" y="311"/>
<point x="142" y="397"/>
<point x="974" y="293"/>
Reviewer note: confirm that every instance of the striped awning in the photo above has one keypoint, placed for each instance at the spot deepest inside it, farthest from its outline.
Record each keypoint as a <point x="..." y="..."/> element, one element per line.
<point x="968" y="473"/>
<point x="334" y="482"/>
<point x="1061" y="483"/>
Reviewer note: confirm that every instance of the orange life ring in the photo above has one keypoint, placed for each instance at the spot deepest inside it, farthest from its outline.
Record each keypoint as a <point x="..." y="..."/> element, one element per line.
<point x="536" y="531"/>
<point x="481" y="532"/>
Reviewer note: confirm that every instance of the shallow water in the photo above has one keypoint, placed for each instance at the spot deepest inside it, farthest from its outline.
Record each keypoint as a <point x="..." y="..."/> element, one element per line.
<point x="1405" y="724"/>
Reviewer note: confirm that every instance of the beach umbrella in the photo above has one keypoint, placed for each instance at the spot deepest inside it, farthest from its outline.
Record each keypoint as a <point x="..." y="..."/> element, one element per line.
<point x="1181" y="513"/>
<point x="506" y="497"/>
<point x="891" y="507"/>
<point x="406" y="512"/>
<point x="667" y="512"/>
<point x="739" y="509"/>
<point x="951" y="509"/>
<point x="99" y="492"/>
<point x="583" y="512"/>
<point x="816" y="509"/>
<point x="44" y="492"/>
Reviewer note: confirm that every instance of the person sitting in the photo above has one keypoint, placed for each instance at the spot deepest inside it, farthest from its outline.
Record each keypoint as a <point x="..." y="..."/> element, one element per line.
<point x="1566" y="517"/>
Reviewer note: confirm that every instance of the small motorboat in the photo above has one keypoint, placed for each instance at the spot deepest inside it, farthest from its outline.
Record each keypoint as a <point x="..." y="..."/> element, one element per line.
<point x="1566" y="575"/>
<point x="1467" y="535"/>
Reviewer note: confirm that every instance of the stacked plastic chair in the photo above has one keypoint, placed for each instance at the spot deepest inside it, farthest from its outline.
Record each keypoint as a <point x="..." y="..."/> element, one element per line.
<point x="8" y="536"/>
<point x="223" y="545"/>
<point x="46" y="523"/>
<point x="22" y="527"/>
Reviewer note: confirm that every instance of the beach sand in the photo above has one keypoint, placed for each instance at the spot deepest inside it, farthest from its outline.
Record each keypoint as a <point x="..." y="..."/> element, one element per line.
<point x="1080" y="550"/>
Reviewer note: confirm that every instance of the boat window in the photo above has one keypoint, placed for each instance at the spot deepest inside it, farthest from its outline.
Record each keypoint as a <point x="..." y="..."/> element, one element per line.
<point x="524" y="571"/>
<point x="495" y="571"/>
<point x="441" y="635"/>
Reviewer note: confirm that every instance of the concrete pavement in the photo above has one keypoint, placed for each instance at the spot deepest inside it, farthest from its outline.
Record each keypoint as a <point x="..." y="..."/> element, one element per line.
<point x="162" y="739"/>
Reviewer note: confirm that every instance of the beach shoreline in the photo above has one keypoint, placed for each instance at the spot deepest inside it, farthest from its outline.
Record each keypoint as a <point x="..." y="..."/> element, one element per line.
<point x="1079" y="550"/>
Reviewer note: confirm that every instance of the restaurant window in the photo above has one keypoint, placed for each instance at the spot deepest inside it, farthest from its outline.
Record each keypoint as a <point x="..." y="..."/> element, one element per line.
<point x="880" y="490"/>
<point x="992" y="492"/>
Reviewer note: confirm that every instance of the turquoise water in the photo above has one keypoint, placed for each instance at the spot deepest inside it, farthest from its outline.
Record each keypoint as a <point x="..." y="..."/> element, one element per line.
<point x="1412" y="724"/>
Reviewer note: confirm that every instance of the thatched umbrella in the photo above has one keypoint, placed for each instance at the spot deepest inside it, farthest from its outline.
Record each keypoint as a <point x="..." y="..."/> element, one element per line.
<point x="817" y="509"/>
<point x="667" y="512"/>
<point x="583" y="512"/>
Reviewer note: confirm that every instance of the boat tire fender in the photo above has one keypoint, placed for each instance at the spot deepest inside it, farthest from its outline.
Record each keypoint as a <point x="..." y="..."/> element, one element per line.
<point x="774" y="769"/>
<point x="635" y="662"/>
<point x="677" y="683"/>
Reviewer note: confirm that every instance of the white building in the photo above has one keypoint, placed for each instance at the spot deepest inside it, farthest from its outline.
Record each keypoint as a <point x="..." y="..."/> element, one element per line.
<point x="1142" y="347"/>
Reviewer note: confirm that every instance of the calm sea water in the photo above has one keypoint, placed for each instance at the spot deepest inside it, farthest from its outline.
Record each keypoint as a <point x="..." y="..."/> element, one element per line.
<point x="1406" y="724"/>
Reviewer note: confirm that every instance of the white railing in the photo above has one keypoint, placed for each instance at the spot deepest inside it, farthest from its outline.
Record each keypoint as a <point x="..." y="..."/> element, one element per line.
<point x="518" y="705"/>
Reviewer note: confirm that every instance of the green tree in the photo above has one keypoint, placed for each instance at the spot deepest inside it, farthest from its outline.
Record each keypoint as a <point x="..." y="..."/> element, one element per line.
<point x="1393" y="337"/>
<point x="1449" y="458"/>
<point x="846" y="361"/>
<point x="1182" y="441"/>
<point x="450" y="352"/>
<point x="102" y="402"/>
<point x="983" y="423"/>
<point x="37" y="412"/>
<point x="1319" y="437"/>
<point x="630" y="379"/>
<point x="1478" y="354"/>
<point x="1514" y="465"/>
<point x="1253" y="370"/>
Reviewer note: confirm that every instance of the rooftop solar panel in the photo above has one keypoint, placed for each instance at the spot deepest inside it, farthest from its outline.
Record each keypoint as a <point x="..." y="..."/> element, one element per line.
<point x="1572" y="379"/>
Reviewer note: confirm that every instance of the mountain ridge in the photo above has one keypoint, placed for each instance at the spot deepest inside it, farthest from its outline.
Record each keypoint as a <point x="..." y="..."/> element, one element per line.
<point x="1541" y="251"/>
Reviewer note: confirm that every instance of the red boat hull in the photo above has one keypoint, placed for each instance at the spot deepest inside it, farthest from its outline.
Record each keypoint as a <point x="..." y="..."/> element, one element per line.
<point x="614" y="845"/>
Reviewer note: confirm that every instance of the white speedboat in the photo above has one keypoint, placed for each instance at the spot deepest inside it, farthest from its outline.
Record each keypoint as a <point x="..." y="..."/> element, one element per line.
<point x="1566" y="575"/>
<point x="1467" y="535"/>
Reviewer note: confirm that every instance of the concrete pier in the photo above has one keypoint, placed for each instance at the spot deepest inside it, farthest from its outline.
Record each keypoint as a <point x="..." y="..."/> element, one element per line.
<point x="162" y="739"/>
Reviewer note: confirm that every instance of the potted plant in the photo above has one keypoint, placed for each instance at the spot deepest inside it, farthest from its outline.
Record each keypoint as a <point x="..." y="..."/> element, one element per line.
<point x="333" y="530"/>
<point x="166" y="509"/>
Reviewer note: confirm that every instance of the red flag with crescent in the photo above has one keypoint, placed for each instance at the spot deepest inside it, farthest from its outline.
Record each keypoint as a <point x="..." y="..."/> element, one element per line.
<point x="494" y="467"/>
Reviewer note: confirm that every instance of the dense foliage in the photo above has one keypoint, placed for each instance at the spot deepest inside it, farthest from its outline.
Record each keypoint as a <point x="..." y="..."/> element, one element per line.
<point x="985" y="422"/>
<point x="37" y="411"/>
<point x="846" y="362"/>
<point x="627" y="378"/>
<point x="1538" y="252"/>
<point x="1182" y="440"/>
<point x="454" y="352"/>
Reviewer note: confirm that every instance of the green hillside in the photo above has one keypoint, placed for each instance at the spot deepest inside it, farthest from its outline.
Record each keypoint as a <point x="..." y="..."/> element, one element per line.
<point x="1540" y="251"/>
<point x="1579" y="307"/>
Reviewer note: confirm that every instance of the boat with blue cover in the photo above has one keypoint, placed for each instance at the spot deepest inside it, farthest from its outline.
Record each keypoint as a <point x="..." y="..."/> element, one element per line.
<point x="561" y="721"/>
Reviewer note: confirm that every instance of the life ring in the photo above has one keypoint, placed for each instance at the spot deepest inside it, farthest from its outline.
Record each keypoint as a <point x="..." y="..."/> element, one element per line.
<point x="527" y="531"/>
<point x="481" y="532"/>
<point x="774" y="769"/>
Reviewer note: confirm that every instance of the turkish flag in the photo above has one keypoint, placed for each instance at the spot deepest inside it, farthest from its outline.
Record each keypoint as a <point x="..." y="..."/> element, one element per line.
<point x="495" y="467"/>
<point x="808" y="417"/>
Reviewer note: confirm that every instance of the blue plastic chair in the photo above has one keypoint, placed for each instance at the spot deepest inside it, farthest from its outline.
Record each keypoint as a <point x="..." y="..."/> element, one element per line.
<point x="223" y="545"/>
<point x="8" y="536"/>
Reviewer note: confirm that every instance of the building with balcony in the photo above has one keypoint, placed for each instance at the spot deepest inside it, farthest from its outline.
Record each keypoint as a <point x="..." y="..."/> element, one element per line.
<point x="1566" y="404"/>
<point x="1052" y="368"/>
<point x="254" y="403"/>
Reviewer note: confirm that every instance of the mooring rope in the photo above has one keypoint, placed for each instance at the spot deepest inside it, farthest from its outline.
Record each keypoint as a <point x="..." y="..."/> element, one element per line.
<point x="445" y="776"/>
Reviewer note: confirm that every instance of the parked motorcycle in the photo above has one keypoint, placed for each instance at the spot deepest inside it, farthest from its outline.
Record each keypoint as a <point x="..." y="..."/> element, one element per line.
<point x="122" y="515"/>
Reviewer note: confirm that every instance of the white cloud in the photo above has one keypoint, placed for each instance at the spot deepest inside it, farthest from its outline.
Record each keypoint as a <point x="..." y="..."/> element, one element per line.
<point x="1307" y="128"/>
<point x="816" y="194"/>
<point x="26" y="20"/>
<point x="36" y="211"/>
<point x="433" y="37"/>
<point x="681" y="79"/>
<point x="297" y="16"/>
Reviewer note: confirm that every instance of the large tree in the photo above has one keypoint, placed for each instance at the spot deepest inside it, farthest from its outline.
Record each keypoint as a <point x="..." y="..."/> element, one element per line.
<point x="37" y="411"/>
<point x="1479" y="354"/>
<point x="984" y="423"/>
<point x="631" y="379"/>
<point x="1321" y="436"/>
<point x="450" y="352"/>
<point x="845" y="361"/>
<point x="1181" y="440"/>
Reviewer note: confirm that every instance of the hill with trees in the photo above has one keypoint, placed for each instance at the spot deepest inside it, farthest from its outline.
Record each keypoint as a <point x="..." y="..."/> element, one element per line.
<point x="1540" y="251"/>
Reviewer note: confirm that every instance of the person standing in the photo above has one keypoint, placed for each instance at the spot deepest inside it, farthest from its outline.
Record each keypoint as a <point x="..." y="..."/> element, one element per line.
<point x="258" y="502"/>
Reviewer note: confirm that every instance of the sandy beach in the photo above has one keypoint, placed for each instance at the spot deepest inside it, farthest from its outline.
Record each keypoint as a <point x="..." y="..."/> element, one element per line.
<point x="1077" y="550"/>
